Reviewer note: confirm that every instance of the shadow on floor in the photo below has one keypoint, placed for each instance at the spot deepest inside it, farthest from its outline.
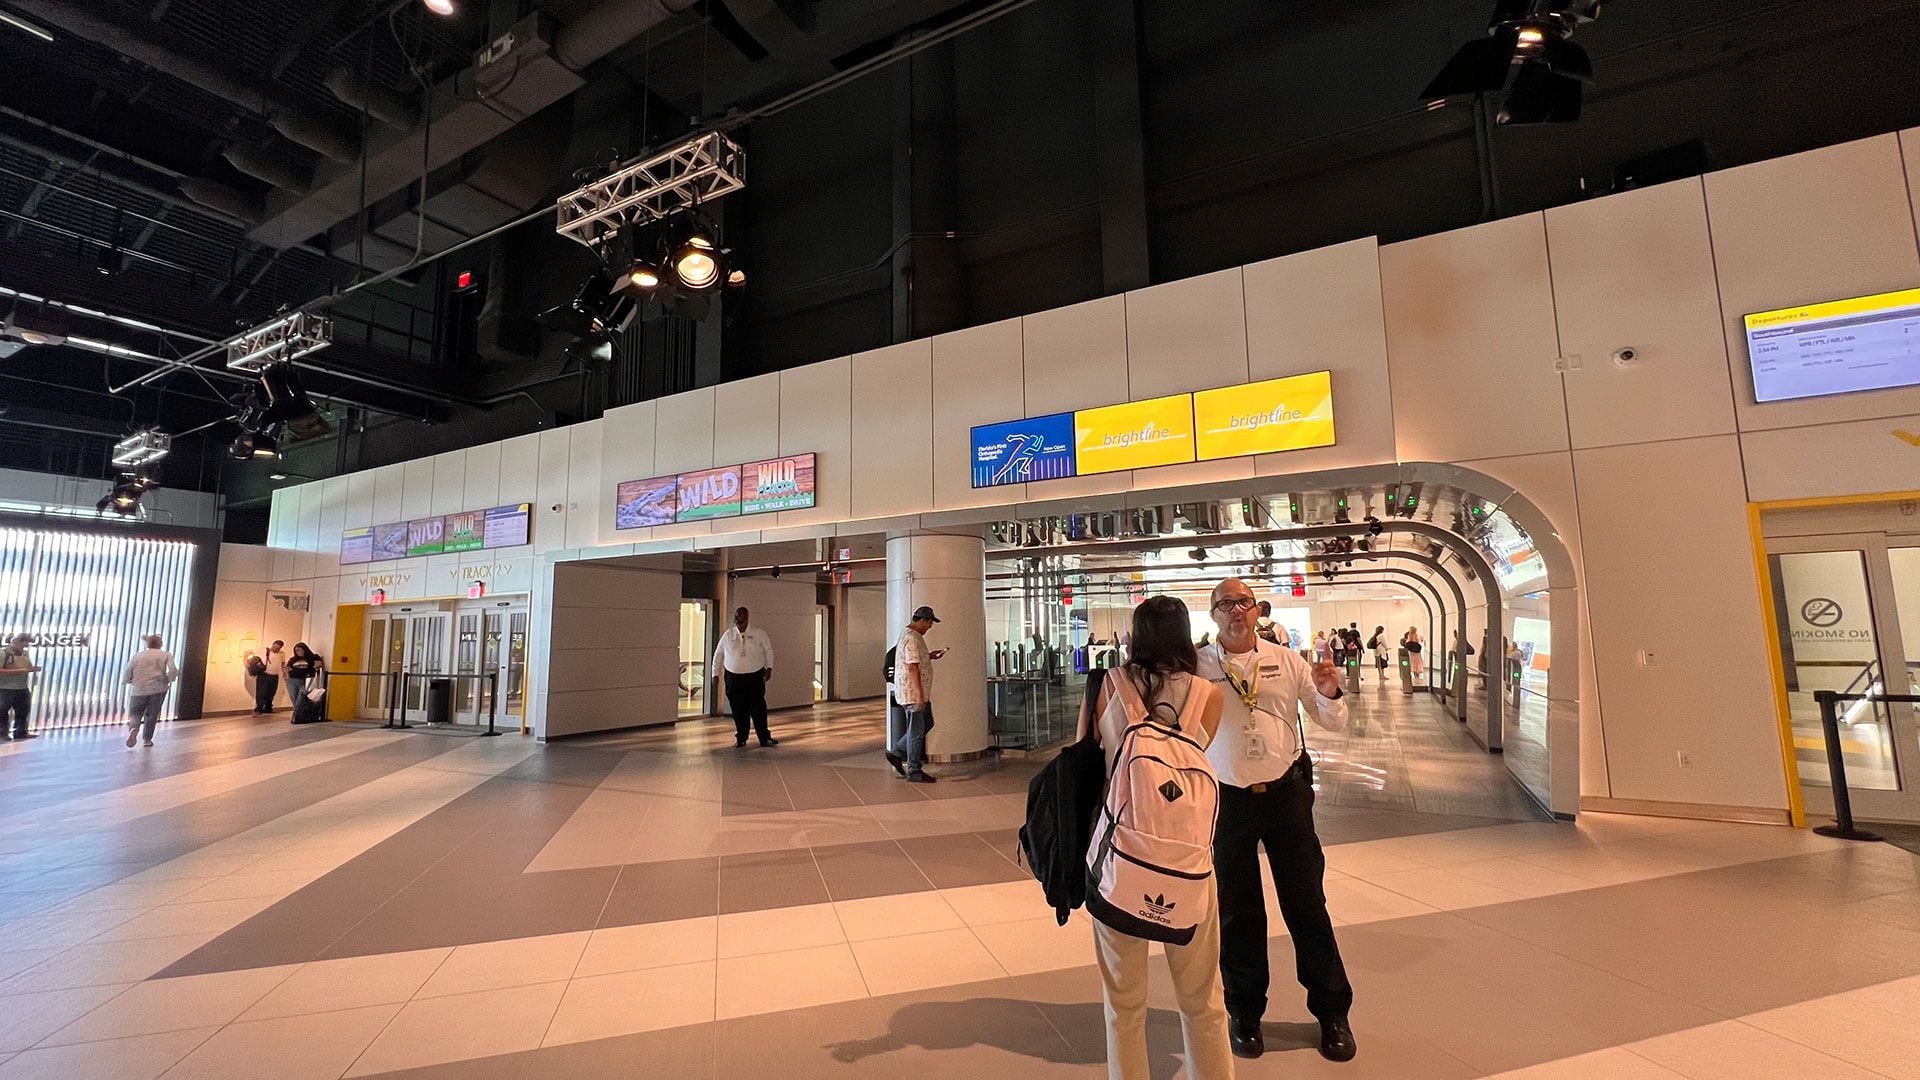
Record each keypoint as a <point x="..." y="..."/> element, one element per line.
<point x="1077" y="1036"/>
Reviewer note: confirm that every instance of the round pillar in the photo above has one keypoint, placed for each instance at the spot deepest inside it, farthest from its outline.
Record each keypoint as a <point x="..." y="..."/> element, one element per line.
<point x="947" y="572"/>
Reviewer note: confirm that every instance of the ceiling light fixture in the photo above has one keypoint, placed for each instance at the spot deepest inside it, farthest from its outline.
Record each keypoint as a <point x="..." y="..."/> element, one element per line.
<point x="1529" y="53"/>
<point x="37" y="324"/>
<point x="442" y="7"/>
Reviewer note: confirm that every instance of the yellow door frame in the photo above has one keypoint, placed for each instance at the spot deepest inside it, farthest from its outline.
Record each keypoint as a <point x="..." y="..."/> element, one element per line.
<point x="1776" y="659"/>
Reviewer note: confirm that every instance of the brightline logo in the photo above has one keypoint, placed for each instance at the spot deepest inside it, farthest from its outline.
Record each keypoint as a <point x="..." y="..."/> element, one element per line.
<point x="1151" y="433"/>
<point x="1280" y="414"/>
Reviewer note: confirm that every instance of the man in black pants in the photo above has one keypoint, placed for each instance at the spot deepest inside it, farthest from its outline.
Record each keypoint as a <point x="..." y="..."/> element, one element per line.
<point x="267" y="683"/>
<point x="745" y="657"/>
<point x="1266" y="798"/>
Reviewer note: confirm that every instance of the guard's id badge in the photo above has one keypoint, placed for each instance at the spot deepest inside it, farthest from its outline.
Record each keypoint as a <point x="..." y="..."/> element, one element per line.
<point x="1256" y="744"/>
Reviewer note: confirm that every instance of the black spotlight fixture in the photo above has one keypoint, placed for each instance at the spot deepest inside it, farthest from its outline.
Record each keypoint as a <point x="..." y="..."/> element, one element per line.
<point x="111" y="262"/>
<point x="586" y="313"/>
<point x="284" y="402"/>
<point x="260" y="445"/>
<point x="1529" y="53"/>
<point x="124" y="498"/>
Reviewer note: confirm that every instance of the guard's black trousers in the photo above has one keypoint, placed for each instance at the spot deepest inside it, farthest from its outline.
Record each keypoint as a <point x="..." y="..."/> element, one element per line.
<point x="1281" y="818"/>
<point x="747" y="695"/>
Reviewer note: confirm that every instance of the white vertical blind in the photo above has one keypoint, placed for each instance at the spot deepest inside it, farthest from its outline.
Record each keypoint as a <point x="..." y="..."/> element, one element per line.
<point x="115" y="590"/>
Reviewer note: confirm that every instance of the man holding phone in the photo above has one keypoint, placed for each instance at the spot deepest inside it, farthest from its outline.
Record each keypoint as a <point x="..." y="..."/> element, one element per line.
<point x="913" y="689"/>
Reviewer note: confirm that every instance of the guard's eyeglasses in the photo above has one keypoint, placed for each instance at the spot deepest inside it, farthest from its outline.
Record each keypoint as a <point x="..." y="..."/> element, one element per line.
<point x="1243" y="603"/>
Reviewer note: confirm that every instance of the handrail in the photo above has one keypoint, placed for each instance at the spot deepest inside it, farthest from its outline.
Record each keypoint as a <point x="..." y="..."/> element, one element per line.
<point x="1829" y="701"/>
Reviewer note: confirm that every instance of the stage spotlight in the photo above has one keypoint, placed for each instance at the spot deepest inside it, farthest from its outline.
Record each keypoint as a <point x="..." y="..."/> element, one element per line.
<point x="696" y="262"/>
<point x="124" y="498"/>
<point x="286" y="403"/>
<point x="442" y="7"/>
<point x="643" y="275"/>
<point x="255" y="446"/>
<point x="110" y="262"/>
<point x="584" y="314"/>
<point x="1528" y="52"/>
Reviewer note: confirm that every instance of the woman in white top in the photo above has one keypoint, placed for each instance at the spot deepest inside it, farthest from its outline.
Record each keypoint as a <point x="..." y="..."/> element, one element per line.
<point x="1322" y="648"/>
<point x="1160" y="664"/>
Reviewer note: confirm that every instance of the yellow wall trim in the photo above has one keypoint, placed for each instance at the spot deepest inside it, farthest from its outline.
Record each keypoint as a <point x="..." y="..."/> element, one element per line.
<point x="1776" y="668"/>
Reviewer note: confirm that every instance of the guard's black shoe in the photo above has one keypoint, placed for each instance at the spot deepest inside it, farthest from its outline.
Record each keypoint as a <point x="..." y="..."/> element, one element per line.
<point x="899" y="763"/>
<point x="1247" y="1039"/>
<point x="769" y="742"/>
<point x="738" y="743"/>
<point x="1336" y="1040"/>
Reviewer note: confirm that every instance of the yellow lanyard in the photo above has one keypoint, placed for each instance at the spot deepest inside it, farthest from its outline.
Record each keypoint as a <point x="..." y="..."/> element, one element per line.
<point x="1249" y="687"/>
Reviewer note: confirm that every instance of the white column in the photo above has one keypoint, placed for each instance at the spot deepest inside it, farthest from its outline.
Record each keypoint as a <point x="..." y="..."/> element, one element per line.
<point x="947" y="572"/>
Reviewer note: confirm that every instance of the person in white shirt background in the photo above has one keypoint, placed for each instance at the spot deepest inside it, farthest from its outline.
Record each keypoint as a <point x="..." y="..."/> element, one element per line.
<point x="267" y="683"/>
<point x="744" y="658"/>
<point x="149" y="673"/>
<point x="913" y="689"/>
<point x="1266" y="800"/>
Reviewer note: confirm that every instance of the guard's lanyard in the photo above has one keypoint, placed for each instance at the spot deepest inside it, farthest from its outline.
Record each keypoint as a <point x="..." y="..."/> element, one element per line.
<point x="1248" y="687"/>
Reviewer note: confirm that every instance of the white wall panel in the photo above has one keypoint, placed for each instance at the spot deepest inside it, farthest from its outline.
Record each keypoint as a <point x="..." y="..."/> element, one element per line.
<point x="1317" y="311"/>
<point x="1471" y="343"/>
<point x="333" y="521"/>
<point x="588" y="500"/>
<point x="1076" y="358"/>
<point x="1825" y="225"/>
<point x="1186" y="335"/>
<point x="746" y="420"/>
<point x="360" y="493"/>
<point x="389" y="491"/>
<point x="416" y="489"/>
<point x="550" y="492"/>
<point x="1636" y="270"/>
<point x="785" y="610"/>
<point x="519" y="469"/>
<point x="893" y="430"/>
<point x="626" y="453"/>
<point x="1709" y="691"/>
<point x="978" y="378"/>
<point x="605" y="683"/>
<point x="282" y="511"/>
<point x="1862" y="458"/>
<point x="683" y="432"/>
<point x="450" y="483"/>
<point x="482" y="488"/>
<point x="816" y="413"/>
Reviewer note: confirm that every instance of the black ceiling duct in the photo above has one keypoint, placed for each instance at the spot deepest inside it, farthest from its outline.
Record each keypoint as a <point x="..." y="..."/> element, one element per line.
<point x="1529" y="53"/>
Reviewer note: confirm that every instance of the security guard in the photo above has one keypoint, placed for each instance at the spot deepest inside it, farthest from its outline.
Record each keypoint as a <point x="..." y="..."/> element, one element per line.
<point x="1266" y="798"/>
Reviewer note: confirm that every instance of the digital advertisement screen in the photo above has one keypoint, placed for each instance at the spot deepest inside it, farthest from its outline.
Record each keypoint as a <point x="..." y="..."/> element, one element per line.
<point x="356" y="546"/>
<point x="1268" y="417"/>
<point x="1867" y="343"/>
<point x="1136" y="435"/>
<point x="390" y="541"/>
<point x="508" y="526"/>
<point x="1017" y="451"/>
<point x="779" y="484"/>
<point x="427" y="536"/>
<point x="640" y="504"/>
<point x="710" y="493"/>
<point x="466" y="531"/>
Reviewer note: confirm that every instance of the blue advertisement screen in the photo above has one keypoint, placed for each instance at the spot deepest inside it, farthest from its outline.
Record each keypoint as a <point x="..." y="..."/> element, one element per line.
<point x="1040" y="448"/>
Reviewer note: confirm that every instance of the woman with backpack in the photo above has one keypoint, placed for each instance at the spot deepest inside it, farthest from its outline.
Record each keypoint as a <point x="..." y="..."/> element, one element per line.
<point x="1150" y="869"/>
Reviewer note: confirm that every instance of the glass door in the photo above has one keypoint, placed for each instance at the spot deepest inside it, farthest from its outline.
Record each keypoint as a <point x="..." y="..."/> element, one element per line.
<point x="373" y="691"/>
<point x="822" y="646"/>
<point x="468" y="694"/>
<point x="426" y="656"/>
<point x="1843" y="623"/>
<point x="696" y="643"/>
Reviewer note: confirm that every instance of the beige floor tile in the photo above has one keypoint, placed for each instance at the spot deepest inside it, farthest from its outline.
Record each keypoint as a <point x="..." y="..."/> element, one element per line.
<point x="310" y="857"/>
<point x="435" y="1031"/>
<point x="1610" y="1064"/>
<point x="15" y="965"/>
<point x="1872" y="1038"/>
<point x="316" y="1047"/>
<point x="1445" y="890"/>
<point x="493" y="965"/>
<point x="26" y="1019"/>
<point x="1737" y="1051"/>
<point x="51" y="931"/>
<point x="127" y="894"/>
<point x="349" y="983"/>
<point x="1008" y="901"/>
<point x="101" y="962"/>
<point x="199" y="865"/>
<point x="173" y="920"/>
<point x="247" y="884"/>
<point x="752" y="985"/>
<point x="1033" y="945"/>
<point x="142" y="1057"/>
<point x="606" y="1006"/>
<point x="1373" y="857"/>
<point x="174" y="1005"/>
<point x="896" y="916"/>
<point x="648" y="945"/>
<point x="749" y="933"/>
<point x="1901" y="997"/>
<point x="1352" y="900"/>
<point x="899" y="965"/>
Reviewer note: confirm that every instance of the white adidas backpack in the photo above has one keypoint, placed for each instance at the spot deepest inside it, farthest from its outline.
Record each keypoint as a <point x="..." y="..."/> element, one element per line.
<point x="1150" y="866"/>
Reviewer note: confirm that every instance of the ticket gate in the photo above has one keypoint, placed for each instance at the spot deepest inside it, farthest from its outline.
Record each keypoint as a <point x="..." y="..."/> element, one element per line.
<point x="1406" y="670"/>
<point x="1353" y="674"/>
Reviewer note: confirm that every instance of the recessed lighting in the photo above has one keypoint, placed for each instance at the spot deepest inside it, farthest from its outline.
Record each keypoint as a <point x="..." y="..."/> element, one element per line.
<point x="277" y="476"/>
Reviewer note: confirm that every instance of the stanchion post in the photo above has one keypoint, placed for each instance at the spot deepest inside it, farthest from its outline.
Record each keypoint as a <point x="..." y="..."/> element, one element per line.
<point x="493" y="699"/>
<point x="1843" y="827"/>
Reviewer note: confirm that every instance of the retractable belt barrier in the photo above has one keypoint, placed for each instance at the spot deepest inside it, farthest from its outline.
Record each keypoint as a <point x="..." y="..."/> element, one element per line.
<point x="492" y="679"/>
<point x="1829" y="702"/>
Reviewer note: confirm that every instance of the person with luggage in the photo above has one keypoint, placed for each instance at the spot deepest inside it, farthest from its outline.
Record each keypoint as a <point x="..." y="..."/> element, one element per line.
<point x="1266" y="801"/>
<point x="304" y="666"/>
<point x="1149" y="867"/>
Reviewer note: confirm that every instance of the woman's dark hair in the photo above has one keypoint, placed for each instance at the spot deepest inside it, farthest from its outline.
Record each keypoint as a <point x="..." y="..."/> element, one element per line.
<point x="1162" y="645"/>
<point x="300" y="650"/>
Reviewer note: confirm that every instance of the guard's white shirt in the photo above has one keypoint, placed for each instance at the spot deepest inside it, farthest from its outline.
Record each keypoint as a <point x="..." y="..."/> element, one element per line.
<point x="151" y="671"/>
<point x="743" y="653"/>
<point x="1285" y="688"/>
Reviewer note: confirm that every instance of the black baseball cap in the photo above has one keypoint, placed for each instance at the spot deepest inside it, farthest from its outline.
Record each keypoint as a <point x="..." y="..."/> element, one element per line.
<point x="924" y="612"/>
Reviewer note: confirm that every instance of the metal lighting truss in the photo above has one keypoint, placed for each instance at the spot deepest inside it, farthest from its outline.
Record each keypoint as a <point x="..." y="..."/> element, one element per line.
<point x="288" y="337"/>
<point x="699" y="170"/>
<point x="142" y="448"/>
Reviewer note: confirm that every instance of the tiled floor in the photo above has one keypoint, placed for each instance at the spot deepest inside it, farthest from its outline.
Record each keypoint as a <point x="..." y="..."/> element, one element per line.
<point x="251" y="900"/>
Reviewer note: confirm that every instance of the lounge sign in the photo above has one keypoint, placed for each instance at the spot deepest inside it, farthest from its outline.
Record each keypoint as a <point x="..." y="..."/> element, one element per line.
<point x="1268" y="417"/>
<point x="61" y="641"/>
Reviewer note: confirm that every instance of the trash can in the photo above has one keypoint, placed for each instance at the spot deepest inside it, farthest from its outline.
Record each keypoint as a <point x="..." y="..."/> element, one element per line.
<point x="439" y="701"/>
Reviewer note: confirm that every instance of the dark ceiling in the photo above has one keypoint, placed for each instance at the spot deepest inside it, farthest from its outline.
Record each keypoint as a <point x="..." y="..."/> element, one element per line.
<point x="243" y="155"/>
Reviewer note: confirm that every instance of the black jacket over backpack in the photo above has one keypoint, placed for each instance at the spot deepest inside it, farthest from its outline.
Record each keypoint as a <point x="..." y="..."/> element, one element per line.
<point x="1062" y="801"/>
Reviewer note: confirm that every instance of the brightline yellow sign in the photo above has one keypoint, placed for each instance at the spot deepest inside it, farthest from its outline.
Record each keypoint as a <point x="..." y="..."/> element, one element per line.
<point x="1293" y="413"/>
<point x="1136" y="435"/>
<point x="1859" y="305"/>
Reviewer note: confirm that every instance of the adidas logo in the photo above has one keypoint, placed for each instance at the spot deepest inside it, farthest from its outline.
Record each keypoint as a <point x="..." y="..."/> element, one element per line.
<point x="1159" y="905"/>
